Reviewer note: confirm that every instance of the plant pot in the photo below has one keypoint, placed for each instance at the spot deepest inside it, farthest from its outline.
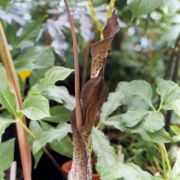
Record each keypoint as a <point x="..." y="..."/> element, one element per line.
<point x="66" y="167"/>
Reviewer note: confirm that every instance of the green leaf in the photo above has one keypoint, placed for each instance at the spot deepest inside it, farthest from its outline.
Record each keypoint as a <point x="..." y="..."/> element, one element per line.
<point x="160" y="136"/>
<point x="175" y="173"/>
<point x="49" y="136"/>
<point x="112" y="103"/>
<point x="105" y="153"/>
<point x="4" y="123"/>
<point x="64" y="147"/>
<point x="30" y="33"/>
<point x="125" y="172"/>
<point x="61" y="95"/>
<point x="141" y="7"/>
<point x="7" y="98"/>
<point x="37" y="157"/>
<point x="133" y="117"/>
<point x="153" y="122"/>
<point x="171" y="34"/>
<point x="169" y="92"/>
<point x="37" y="57"/>
<point x="175" y="129"/>
<point x="36" y="107"/>
<point x="37" y="131"/>
<point x="6" y="154"/>
<point x="51" y="76"/>
<point x="2" y="176"/>
<point x="4" y="4"/>
<point x="59" y="114"/>
<point x="139" y="89"/>
<point x="176" y="106"/>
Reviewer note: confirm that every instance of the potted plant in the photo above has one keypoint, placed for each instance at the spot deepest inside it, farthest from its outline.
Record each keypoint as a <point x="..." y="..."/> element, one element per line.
<point x="134" y="114"/>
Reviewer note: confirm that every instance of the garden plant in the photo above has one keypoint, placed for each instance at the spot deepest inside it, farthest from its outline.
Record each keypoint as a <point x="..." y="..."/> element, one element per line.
<point x="90" y="89"/>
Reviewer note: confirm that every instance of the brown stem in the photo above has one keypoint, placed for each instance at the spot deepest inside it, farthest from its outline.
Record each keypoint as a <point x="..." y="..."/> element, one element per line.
<point x="169" y="66"/>
<point x="76" y="63"/>
<point x="6" y="58"/>
<point x="172" y="70"/>
<point x="51" y="158"/>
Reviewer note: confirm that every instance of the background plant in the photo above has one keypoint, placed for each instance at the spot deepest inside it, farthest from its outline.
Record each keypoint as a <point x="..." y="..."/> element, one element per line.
<point x="141" y="50"/>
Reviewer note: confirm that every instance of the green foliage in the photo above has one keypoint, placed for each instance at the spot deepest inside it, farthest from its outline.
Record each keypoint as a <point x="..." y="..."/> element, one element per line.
<point x="64" y="146"/>
<point x="113" y="102"/>
<point x="61" y="95"/>
<point x="175" y="174"/>
<point x="133" y="117"/>
<point x="59" y="114"/>
<point x="4" y="123"/>
<point x="137" y="95"/>
<point x="51" y="76"/>
<point x="7" y="98"/>
<point x="138" y="92"/>
<point x="107" y="157"/>
<point x="154" y="121"/>
<point x="148" y="29"/>
<point x="4" y="4"/>
<point x="2" y="176"/>
<point x="125" y="171"/>
<point x="170" y="95"/>
<point x="36" y="57"/>
<point x="37" y="130"/>
<point x="142" y="7"/>
<point x="6" y="154"/>
<point x="51" y="135"/>
<point x="30" y="33"/>
<point x="36" y="107"/>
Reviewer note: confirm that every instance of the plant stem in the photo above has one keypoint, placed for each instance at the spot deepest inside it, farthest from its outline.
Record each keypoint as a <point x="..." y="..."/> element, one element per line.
<point x="99" y="26"/>
<point x="27" y="129"/>
<point x="165" y="161"/>
<point x="6" y="58"/>
<point x="51" y="158"/>
<point x="171" y="70"/>
<point x="76" y="63"/>
<point x="94" y="16"/>
<point x="111" y="8"/>
<point x="44" y="148"/>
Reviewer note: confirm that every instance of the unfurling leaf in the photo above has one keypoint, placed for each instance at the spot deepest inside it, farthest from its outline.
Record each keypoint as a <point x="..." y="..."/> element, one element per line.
<point x="93" y="95"/>
<point x="100" y="49"/>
